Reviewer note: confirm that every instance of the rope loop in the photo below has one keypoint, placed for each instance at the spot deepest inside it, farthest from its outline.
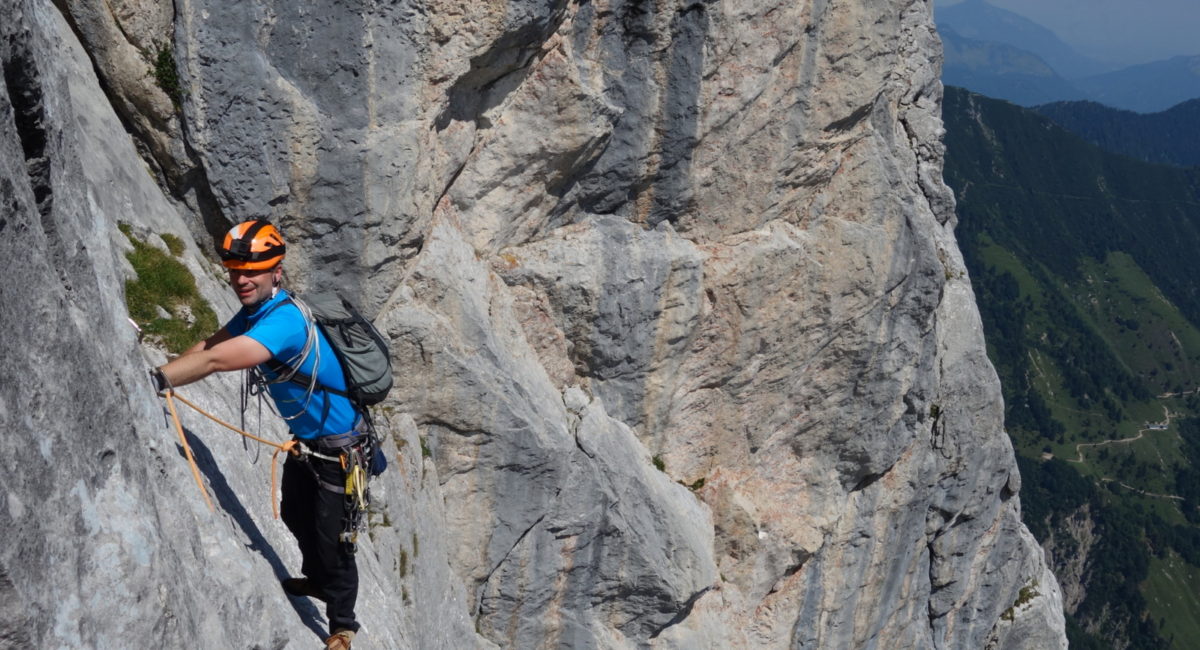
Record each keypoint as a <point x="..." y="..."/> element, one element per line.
<point x="291" y="446"/>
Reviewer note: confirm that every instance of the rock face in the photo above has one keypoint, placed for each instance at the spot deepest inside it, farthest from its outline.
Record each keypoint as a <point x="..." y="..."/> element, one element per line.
<point x="1067" y="553"/>
<point x="687" y="355"/>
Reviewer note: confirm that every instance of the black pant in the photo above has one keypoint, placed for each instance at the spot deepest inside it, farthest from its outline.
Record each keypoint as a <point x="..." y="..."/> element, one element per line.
<point x="317" y="516"/>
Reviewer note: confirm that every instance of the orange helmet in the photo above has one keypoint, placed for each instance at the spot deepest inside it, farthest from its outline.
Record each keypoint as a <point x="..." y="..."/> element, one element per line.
<point x="252" y="246"/>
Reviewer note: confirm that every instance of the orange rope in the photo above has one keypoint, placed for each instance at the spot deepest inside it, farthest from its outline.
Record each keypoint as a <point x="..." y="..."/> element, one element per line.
<point x="291" y="446"/>
<point x="187" y="450"/>
<point x="277" y="445"/>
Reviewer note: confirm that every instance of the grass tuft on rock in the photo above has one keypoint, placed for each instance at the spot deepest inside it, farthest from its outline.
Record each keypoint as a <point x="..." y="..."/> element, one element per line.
<point x="165" y="74"/>
<point x="163" y="300"/>
<point x="174" y="244"/>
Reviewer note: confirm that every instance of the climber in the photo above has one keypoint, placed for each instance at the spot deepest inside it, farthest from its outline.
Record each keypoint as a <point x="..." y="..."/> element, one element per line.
<point x="270" y="330"/>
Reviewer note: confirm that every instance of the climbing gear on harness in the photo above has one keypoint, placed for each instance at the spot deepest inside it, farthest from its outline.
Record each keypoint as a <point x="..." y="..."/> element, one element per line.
<point x="252" y="246"/>
<point x="248" y="388"/>
<point x="361" y="351"/>
<point x="351" y="452"/>
<point x="305" y="588"/>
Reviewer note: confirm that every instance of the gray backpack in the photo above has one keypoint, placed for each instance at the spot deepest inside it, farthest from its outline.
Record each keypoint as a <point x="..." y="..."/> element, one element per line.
<point x="360" y="349"/>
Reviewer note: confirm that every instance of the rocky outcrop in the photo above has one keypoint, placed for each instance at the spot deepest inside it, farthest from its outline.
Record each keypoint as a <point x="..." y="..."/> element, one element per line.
<point x="686" y="352"/>
<point x="129" y="42"/>
<point x="1068" y="551"/>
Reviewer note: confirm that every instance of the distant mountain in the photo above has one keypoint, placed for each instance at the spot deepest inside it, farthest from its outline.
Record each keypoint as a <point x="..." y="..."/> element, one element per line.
<point x="980" y="21"/>
<point x="1001" y="54"/>
<point x="1082" y="262"/>
<point x="1147" y="88"/>
<point x="1002" y="71"/>
<point x="1171" y="137"/>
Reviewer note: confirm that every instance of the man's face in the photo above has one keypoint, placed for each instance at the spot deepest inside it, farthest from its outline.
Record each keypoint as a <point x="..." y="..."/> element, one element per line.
<point x="253" y="287"/>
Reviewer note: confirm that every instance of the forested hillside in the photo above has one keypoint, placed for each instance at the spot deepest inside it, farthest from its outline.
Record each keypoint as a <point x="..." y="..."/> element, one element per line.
<point x="1170" y="137"/>
<point x="1082" y="262"/>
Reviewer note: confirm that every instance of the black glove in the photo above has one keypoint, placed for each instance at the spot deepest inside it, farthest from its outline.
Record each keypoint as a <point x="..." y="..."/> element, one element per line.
<point x="159" y="380"/>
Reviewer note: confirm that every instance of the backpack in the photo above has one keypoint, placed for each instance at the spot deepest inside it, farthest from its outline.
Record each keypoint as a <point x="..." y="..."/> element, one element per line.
<point x="361" y="351"/>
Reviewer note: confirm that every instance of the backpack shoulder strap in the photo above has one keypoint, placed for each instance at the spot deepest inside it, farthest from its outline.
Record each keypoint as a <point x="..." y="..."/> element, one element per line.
<point x="301" y="379"/>
<point x="297" y="377"/>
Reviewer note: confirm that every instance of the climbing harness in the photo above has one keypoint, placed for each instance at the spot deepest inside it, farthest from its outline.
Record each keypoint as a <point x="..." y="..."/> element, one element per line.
<point x="352" y="451"/>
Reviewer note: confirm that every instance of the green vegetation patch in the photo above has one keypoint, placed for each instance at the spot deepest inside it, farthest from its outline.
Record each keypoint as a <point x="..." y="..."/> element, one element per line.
<point x="1148" y="332"/>
<point x="1025" y="596"/>
<point x="174" y="244"/>
<point x="163" y="300"/>
<point x="1150" y="462"/>
<point x="1173" y="593"/>
<point x="165" y="74"/>
<point x="1084" y="361"/>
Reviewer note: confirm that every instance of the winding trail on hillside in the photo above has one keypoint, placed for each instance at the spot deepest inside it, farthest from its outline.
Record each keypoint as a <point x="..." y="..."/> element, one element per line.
<point x="1179" y="394"/>
<point x="1118" y="441"/>
<point x="1140" y="491"/>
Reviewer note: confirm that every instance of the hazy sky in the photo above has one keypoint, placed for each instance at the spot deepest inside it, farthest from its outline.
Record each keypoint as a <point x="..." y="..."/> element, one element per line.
<point x="1122" y="31"/>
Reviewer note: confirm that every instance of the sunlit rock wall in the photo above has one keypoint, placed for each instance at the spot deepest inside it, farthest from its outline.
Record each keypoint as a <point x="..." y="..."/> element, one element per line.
<point x="686" y="353"/>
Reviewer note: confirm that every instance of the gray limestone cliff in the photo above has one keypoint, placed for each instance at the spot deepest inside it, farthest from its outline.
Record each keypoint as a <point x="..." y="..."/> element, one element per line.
<point x="686" y="353"/>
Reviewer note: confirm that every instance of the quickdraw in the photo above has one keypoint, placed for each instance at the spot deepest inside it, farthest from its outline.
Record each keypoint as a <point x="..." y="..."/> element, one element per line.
<point x="357" y="490"/>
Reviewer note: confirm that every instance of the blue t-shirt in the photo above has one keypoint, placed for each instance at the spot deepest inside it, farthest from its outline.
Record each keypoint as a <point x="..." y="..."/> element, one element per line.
<point x="281" y="329"/>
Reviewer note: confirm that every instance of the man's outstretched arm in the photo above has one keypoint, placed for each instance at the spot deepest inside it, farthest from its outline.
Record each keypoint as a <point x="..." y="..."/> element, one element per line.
<point x="199" y="361"/>
<point x="217" y="338"/>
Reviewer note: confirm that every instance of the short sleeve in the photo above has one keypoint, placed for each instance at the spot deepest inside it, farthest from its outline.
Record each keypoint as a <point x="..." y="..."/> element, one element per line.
<point x="282" y="332"/>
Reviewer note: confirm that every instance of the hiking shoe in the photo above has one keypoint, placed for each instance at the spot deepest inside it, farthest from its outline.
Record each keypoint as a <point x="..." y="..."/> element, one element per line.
<point x="340" y="640"/>
<point x="304" y="587"/>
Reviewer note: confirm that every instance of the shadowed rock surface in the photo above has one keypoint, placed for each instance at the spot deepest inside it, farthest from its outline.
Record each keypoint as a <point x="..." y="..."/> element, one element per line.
<point x="687" y="356"/>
